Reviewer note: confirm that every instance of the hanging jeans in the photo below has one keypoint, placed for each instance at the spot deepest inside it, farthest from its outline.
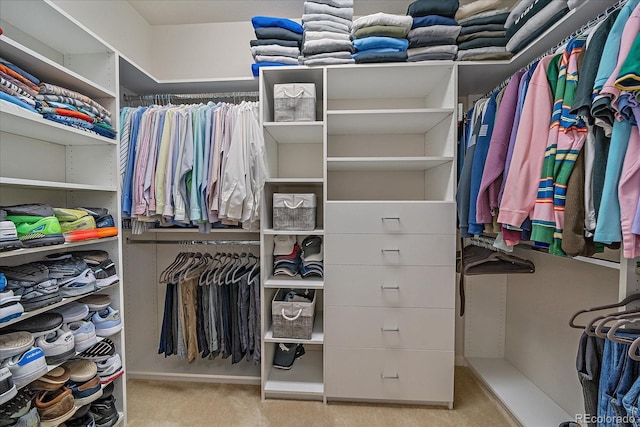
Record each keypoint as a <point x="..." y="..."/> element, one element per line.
<point x="630" y="403"/>
<point x="589" y="365"/>
<point x="617" y="376"/>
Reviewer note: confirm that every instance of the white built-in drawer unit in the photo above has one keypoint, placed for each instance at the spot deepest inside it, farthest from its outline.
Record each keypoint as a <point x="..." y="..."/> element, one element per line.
<point x="392" y="218"/>
<point x="402" y="375"/>
<point x="390" y="286"/>
<point x="393" y="328"/>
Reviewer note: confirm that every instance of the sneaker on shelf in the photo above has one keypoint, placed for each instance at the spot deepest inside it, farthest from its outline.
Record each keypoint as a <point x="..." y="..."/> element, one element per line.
<point x="74" y="276"/>
<point x="85" y="223"/>
<point x="106" y="221"/>
<point x="3" y="282"/>
<point x="84" y="334"/>
<point x="41" y="324"/>
<point x="110" y="369"/>
<point x="108" y="390"/>
<point x="30" y="419"/>
<point x="69" y="215"/>
<point x="91" y="257"/>
<point x="81" y="370"/>
<point x="85" y="392"/>
<point x="44" y="232"/>
<point x="52" y="380"/>
<point x="10" y="306"/>
<point x="41" y="295"/>
<point x="81" y="418"/>
<point x="96" y="213"/>
<point x="105" y="274"/>
<point x="15" y="343"/>
<point x="30" y="212"/>
<point x="107" y="321"/>
<point x="96" y="302"/>
<point x="105" y="412"/>
<point x="8" y="389"/>
<point x="8" y="234"/>
<point x="25" y="275"/>
<point x="26" y="367"/>
<point x="58" y="346"/>
<point x="55" y="407"/>
<point x="17" y="407"/>
<point x="73" y="312"/>
<point x="99" y="352"/>
<point x="286" y="354"/>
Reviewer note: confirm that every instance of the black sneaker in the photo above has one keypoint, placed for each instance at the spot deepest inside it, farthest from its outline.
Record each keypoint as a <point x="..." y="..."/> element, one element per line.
<point x="18" y="406"/>
<point x="104" y="412"/>
<point x="286" y="354"/>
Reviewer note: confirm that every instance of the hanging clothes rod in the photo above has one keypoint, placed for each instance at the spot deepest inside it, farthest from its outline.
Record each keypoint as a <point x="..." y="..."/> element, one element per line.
<point x="590" y="24"/>
<point x="187" y="96"/>
<point x="197" y="242"/>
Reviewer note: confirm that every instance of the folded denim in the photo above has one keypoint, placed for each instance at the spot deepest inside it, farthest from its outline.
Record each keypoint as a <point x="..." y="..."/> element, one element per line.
<point x="382" y="18"/>
<point x="341" y="12"/>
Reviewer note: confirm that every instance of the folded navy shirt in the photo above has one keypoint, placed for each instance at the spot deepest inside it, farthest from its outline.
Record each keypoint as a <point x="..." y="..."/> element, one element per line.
<point x="382" y="57"/>
<point x="500" y="18"/>
<point x="270" y="21"/>
<point x="477" y="28"/>
<point x="277" y="33"/>
<point x="446" y="8"/>
<point x="427" y="21"/>
<point x="483" y="42"/>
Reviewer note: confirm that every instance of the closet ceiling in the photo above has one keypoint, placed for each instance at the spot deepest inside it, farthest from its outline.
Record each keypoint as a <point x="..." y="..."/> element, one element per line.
<point x="178" y="12"/>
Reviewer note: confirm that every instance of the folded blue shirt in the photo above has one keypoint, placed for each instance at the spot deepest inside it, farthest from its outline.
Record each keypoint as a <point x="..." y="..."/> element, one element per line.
<point x="380" y="43"/>
<point x="378" y="50"/>
<point x="18" y="102"/>
<point x="429" y="20"/>
<point x="255" y="68"/>
<point x="270" y="21"/>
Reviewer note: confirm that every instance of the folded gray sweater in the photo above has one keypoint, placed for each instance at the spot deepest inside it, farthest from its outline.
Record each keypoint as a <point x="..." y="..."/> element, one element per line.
<point x="340" y="55"/>
<point x="336" y="3"/>
<point x="313" y="47"/>
<point x="329" y="61"/>
<point x="274" y="49"/>
<point x="273" y="58"/>
<point x="326" y="26"/>
<point x="472" y="54"/>
<point x="342" y="12"/>
<point x="448" y="49"/>
<point x="535" y="22"/>
<point x="435" y="30"/>
<point x="309" y="17"/>
<point x="321" y="35"/>
<point x="382" y="19"/>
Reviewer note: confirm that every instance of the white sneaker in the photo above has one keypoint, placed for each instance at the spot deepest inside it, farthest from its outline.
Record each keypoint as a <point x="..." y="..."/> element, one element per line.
<point x="84" y="334"/>
<point x="26" y="367"/>
<point x="73" y="312"/>
<point x="107" y="322"/>
<point x="58" y="346"/>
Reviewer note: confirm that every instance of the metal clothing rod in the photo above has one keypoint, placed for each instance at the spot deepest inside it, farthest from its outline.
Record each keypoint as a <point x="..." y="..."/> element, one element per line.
<point x="197" y="242"/>
<point x="182" y="96"/>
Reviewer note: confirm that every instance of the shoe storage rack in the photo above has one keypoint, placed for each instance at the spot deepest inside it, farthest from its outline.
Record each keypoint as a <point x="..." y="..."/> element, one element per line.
<point x="45" y="162"/>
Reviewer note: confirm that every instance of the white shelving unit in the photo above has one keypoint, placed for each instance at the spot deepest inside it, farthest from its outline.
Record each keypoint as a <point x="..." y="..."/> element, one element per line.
<point x="317" y="336"/>
<point x="303" y="382"/>
<point x="42" y="161"/>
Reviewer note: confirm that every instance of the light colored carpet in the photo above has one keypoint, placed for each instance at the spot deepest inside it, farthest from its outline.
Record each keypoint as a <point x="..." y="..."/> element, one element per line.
<point x="169" y="404"/>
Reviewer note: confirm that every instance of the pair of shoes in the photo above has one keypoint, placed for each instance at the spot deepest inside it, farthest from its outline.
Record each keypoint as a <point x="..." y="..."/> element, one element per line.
<point x="103" y="268"/>
<point x="286" y="354"/>
<point x="26" y="367"/>
<point x="58" y="346"/>
<point x="104" y="410"/>
<point x="74" y="219"/>
<point x="10" y="306"/>
<point x="110" y="369"/>
<point x="107" y="321"/>
<point x="8" y="234"/>
<point x="73" y="275"/>
<point x="32" y="282"/>
<point x="81" y="418"/>
<point x="8" y="389"/>
<point x="19" y="411"/>
<point x="35" y="224"/>
<point x="55" y="406"/>
<point x="84" y="334"/>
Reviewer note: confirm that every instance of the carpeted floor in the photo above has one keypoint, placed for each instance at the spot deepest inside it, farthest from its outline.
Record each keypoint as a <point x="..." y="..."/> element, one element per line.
<point x="164" y="404"/>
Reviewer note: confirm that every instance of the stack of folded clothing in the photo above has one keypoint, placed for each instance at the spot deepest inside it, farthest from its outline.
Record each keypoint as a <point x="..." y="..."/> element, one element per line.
<point x="74" y="109"/>
<point x="381" y="37"/>
<point x="483" y="34"/>
<point x="312" y="257"/>
<point x="529" y="19"/>
<point x="278" y="42"/>
<point x="433" y="30"/>
<point x="327" y="32"/>
<point x="287" y="256"/>
<point x="18" y="86"/>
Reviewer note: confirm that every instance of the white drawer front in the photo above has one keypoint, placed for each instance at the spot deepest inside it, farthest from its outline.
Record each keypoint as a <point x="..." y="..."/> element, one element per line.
<point x="392" y="249"/>
<point x="391" y="218"/>
<point x="389" y="286"/>
<point x="379" y="327"/>
<point x="424" y="376"/>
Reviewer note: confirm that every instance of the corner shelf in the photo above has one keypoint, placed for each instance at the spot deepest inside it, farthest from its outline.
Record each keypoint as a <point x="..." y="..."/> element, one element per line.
<point x="317" y="335"/>
<point x="68" y="246"/>
<point x="385" y="163"/>
<point x="293" y="282"/>
<point x="295" y="132"/>
<point x="53" y="185"/>
<point x="303" y="379"/>
<point x="385" y="122"/>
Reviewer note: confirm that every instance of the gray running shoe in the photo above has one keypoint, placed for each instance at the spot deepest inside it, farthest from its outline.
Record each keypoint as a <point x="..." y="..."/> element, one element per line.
<point x="25" y="274"/>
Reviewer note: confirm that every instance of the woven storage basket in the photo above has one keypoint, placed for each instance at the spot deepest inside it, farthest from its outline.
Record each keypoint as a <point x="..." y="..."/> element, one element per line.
<point x="294" y="102"/>
<point x="293" y="319"/>
<point x="294" y="211"/>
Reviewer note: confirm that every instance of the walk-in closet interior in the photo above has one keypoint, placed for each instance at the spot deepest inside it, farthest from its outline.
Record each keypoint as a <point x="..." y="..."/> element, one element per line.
<point x="378" y="276"/>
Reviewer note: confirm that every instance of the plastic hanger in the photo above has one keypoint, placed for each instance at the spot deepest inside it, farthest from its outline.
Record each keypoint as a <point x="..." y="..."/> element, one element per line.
<point x="624" y="320"/>
<point x="621" y="316"/>
<point x="623" y="303"/>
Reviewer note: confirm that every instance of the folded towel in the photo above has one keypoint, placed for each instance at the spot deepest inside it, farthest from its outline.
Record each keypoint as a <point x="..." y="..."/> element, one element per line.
<point x="279" y="42"/>
<point x="450" y="49"/>
<point x="381" y="18"/>
<point x="320" y="35"/>
<point x="274" y="58"/>
<point x="493" y="19"/>
<point x="435" y="30"/>
<point x="483" y="53"/>
<point x="517" y="10"/>
<point x="277" y="33"/>
<point x="341" y="12"/>
<point x="275" y="49"/>
<point x="382" y="57"/>
<point x="486" y="14"/>
<point x="446" y="8"/>
<point x="375" y="50"/>
<point x="381" y="31"/>
<point x="310" y="17"/>
<point x="483" y="42"/>
<point x="380" y="43"/>
<point x="335" y="3"/>
<point x="432" y="57"/>
<point x="477" y="28"/>
<point x="422" y="41"/>
<point x="429" y="20"/>
<point x="329" y="61"/>
<point x="475" y="7"/>
<point x="477" y="35"/>
<point x="313" y="47"/>
<point x="255" y="68"/>
<point x="269" y="21"/>
<point x="326" y="26"/>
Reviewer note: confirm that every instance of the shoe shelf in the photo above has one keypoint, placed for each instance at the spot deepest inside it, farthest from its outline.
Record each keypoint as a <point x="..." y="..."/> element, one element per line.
<point x="18" y="121"/>
<point x="69" y="246"/>
<point x="293" y="282"/>
<point x="295" y="132"/>
<point x="317" y="231"/>
<point x="305" y="377"/>
<point x="65" y="301"/>
<point x="53" y="185"/>
<point x="317" y="335"/>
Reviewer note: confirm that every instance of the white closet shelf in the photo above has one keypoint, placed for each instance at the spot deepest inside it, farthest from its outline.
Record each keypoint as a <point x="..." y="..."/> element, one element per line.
<point x="55" y="73"/>
<point x="294" y="180"/>
<point x="293" y="282"/>
<point x="197" y="231"/>
<point x="68" y="246"/>
<point x="317" y="335"/>
<point x="385" y="163"/>
<point x="53" y="185"/>
<point x="304" y="378"/>
<point x="294" y="232"/>
<point x="521" y="397"/>
<point x="65" y="301"/>
<point x="157" y="367"/>
<point x="385" y="122"/>
<point x="295" y="132"/>
<point x="17" y="120"/>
